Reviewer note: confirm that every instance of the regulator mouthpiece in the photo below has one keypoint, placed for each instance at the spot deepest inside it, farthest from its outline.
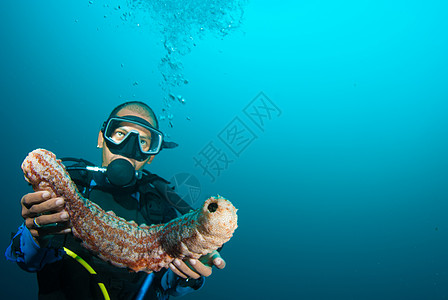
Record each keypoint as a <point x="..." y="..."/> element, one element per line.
<point x="120" y="172"/>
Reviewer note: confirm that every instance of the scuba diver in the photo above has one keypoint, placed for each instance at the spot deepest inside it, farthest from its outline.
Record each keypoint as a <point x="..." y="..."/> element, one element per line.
<point x="129" y="140"/>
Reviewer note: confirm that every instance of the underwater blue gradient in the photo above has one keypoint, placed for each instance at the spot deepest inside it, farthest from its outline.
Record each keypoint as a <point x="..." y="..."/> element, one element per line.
<point x="342" y="196"/>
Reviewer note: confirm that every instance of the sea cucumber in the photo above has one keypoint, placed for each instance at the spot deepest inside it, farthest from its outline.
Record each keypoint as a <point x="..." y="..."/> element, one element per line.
<point x="126" y="244"/>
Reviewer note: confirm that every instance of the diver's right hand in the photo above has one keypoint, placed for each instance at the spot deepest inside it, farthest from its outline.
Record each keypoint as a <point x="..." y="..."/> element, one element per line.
<point x="44" y="215"/>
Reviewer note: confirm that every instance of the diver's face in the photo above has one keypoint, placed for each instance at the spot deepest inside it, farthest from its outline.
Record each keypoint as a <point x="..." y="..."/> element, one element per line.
<point x="108" y="156"/>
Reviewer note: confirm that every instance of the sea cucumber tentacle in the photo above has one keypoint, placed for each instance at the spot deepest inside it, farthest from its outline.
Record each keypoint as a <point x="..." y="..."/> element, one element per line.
<point x="125" y="244"/>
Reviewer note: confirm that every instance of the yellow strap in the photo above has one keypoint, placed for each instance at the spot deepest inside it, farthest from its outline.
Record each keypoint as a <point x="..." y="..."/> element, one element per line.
<point x="89" y="269"/>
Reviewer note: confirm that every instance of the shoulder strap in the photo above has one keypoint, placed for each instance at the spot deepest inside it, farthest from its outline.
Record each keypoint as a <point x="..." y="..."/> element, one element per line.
<point x="168" y="193"/>
<point x="78" y="173"/>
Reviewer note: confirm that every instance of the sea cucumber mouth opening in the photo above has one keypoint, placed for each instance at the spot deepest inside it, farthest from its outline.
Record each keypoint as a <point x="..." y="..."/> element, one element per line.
<point x="212" y="207"/>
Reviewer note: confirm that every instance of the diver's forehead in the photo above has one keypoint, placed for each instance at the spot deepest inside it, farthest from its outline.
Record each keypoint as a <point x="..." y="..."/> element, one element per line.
<point x="127" y="112"/>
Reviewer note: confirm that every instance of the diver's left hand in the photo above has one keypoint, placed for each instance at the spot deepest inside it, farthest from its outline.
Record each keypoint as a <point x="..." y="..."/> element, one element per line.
<point x="195" y="268"/>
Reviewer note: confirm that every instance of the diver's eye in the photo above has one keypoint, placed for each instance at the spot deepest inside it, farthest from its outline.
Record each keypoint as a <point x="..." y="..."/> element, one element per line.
<point x="118" y="135"/>
<point x="144" y="144"/>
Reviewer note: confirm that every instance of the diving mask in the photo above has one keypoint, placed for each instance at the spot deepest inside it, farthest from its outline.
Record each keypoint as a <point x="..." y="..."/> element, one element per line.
<point x="132" y="137"/>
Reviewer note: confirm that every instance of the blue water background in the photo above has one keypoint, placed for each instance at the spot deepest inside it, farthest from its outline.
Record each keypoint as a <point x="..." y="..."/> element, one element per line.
<point x="344" y="195"/>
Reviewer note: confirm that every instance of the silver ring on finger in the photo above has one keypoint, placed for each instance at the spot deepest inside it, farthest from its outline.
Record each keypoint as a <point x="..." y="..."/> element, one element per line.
<point x="35" y="223"/>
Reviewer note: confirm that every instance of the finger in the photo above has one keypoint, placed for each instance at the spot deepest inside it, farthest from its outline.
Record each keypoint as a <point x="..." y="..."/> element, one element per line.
<point x="43" y="220"/>
<point x="58" y="217"/>
<point x="51" y="205"/>
<point x="177" y="272"/>
<point x="213" y="259"/>
<point x="218" y="261"/>
<point x="185" y="269"/>
<point x="200" y="268"/>
<point x="30" y="199"/>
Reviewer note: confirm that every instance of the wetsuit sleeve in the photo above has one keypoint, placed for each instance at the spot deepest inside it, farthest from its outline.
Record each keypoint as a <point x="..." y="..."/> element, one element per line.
<point x="177" y="286"/>
<point x="27" y="254"/>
